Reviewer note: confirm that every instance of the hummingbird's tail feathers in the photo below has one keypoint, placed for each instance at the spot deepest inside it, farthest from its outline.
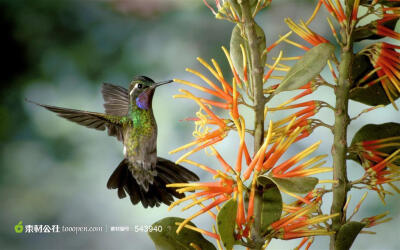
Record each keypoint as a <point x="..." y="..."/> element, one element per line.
<point x="178" y="172"/>
<point x="167" y="172"/>
<point x="123" y="180"/>
<point x="117" y="177"/>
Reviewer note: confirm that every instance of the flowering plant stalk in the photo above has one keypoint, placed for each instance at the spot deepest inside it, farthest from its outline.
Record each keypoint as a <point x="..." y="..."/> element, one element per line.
<point x="245" y="197"/>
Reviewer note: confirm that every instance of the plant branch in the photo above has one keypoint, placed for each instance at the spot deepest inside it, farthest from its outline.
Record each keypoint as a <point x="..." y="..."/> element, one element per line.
<point x="256" y="71"/>
<point x="342" y="120"/>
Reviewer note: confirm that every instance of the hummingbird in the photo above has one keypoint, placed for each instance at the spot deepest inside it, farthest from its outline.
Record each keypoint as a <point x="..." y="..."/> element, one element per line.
<point x="129" y="117"/>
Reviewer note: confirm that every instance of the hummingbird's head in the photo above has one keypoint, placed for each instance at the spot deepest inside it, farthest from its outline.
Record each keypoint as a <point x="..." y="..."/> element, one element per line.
<point x="141" y="91"/>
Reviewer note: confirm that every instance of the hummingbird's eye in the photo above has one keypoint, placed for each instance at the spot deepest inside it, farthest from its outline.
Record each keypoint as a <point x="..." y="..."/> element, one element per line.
<point x="139" y="85"/>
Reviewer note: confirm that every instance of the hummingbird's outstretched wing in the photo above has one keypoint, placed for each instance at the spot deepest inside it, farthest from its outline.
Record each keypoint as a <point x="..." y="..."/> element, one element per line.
<point x="167" y="172"/>
<point x="116" y="99"/>
<point x="94" y="120"/>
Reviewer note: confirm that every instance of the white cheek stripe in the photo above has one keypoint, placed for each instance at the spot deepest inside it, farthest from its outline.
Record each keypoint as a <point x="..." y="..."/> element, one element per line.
<point x="130" y="93"/>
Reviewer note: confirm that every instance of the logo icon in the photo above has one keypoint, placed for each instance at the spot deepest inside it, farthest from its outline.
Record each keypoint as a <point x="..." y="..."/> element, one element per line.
<point x="19" y="228"/>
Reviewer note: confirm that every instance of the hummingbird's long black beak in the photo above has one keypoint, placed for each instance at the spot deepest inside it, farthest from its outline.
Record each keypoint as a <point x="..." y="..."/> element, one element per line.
<point x="155" y="85"/>
<point x="160" y="83"/>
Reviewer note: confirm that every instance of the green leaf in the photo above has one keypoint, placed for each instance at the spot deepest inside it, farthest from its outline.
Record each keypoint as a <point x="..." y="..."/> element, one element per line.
<point x="236" y="51"/>
<point x="167" y="239"/>
<point x="361" y="67"/>
<point x="389" y="3"/>
<point x="375" y="132"/>
<point x="307" y="68"/>
<point x="226" y="223"/>
<point x="271" y="210"/>
<point x="371" y="95"/>
<point x="347" y="234"/>
<point x="366" y="32"/>
<point x="300" y="185"/>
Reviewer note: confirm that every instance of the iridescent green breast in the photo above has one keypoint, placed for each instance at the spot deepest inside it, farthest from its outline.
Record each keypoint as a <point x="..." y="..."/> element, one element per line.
<point x="142" y="120"/>
<point x="141" y="126"/>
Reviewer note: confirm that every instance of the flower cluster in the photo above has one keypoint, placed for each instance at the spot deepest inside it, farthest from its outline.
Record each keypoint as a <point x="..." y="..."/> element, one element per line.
<point x="228" y="100"/>
<point x="386" y="62"/>
<point x="230" y="180"/>
<point x="244" y="181"/>
<point x="301" y="222"/>
<point x="383" y="55"/>
<point x="302" y="219"/>
<point x="380" y="167"/>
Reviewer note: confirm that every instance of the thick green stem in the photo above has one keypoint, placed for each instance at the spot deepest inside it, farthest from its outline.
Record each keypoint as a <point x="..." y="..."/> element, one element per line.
<point x="257" y="71"/>
<point x="339" y="148"/>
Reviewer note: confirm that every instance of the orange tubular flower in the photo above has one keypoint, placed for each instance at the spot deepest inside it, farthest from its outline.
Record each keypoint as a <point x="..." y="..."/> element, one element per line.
<point x="375" y="220"/>
<point x="215" y="193"/>
<point x="383" y="172"/>
<point x="299" y="223"/>
<point x="304" y="32"/>
<point x="205" y="138"/>
<point x="354" y="14"/>
<point x="228" y="99"/>
<point x="384" y="31"/>
<point x="303" y="241"/>
<point x="219" y="191"/>
<point x="229" y="184"/>
<point x="266" y="160"/>
<point x="336" y="11"/>
<point x="314" y="196"/>
<point x="386" y="61"/>
<point x="379" y="166"/>
<point x="310" y="108"/>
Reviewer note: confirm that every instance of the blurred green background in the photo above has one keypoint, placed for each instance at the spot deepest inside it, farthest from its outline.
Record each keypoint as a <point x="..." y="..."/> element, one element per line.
<point x="60" y="52"/>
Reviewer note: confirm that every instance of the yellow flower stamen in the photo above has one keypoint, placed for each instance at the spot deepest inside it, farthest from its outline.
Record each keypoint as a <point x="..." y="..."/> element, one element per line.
<point x="218" y="241"/>
<point x="308" y="172"/>
<point x="215" y="74"/>
<point x="296" y="44"/>
<point x="291" y="58"/>
<point x="360" y="203"/>
<point x="228" y="57"/>
<point x="266" y="77"/>
<point x="296" y="28"/>
<point x="319" y="219"/>
<point x="194" y="245"/>
<point x="190" y="189"/>
<point x="183" y="147"/>
<point x="244" y="59"/>
<point x="332" y="70"/>
<point x="281" y="38"/>
<point x="201" y="166"/>
<point x="199" y="230"/>
<point x="195" y="202"/>
<point x="393" y="186"/>
<point x="369" y="75"/>
<point x="209" y="82"/>
<point x="333" y="30"/>
<point x="314" y="13"/>
<point x="328" y="181"/>
<point x="266" y="244"/>
<point x="196" y="86"/>
<point x="346" y="204"/>
<point x="177" y="202"/>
